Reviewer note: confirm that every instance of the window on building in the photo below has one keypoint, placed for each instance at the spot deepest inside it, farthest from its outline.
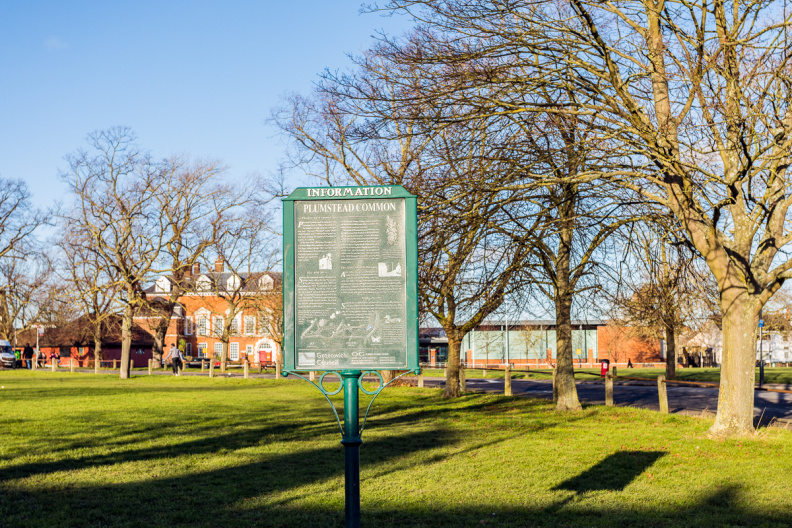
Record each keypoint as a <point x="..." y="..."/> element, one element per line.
<point x="233" y="351"/>
<point x="189" y="326"/>
<point x="203" y="326"/>
<point x="249" y="349"/>
<point x="218" y="349"/>
<point x="217" y="325"/>
<point x="235" y="326"/>
<point x="188" y="349"/>
<point x="250" y="325"/>
<point x="201" y="349"/>
<point x="264" y="322"/>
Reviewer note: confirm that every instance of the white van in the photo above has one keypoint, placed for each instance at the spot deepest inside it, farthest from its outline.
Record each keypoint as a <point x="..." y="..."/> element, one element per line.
<point x="7" y="357"/>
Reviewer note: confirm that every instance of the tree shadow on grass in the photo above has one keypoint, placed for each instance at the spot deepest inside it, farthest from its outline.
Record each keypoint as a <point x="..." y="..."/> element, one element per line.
<point x="614" y="473"/>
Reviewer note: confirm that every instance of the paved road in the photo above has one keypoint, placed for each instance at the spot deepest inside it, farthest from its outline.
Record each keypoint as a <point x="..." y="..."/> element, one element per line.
<point x="681" y="399"/>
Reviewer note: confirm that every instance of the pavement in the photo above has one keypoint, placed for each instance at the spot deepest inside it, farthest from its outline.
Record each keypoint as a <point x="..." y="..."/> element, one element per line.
<point x="690" y="400"/>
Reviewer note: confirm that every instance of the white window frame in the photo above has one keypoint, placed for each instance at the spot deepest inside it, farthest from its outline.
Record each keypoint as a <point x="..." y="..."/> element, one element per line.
<point x="218" y="350"/>
<point x="203" y="325"/>
<point x="189" y="325"/>
<point x="252" y="320"/>
<point x="249" y="349"/>
<point x="201" y="349"/>
<point x="233" y="351"/>
<point x="188" y="349"/>
<point x="217" y="329"/>
<point x="235" y="325"/>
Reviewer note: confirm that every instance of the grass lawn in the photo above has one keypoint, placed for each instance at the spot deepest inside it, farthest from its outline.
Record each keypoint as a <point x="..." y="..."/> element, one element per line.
<point x="772" y="375"/>
<point x="92" y="451"/>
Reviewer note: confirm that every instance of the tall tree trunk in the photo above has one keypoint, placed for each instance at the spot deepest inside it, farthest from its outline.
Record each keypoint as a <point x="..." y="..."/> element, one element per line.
<point x="670" y="337"/>
<point x="160" y="331"/>
<point x="126" y="341"/>
<point x="738" y="368"/>
<point x="563" y="291"/>
<point x="97" y="349"/>
<point x="223" y="355"/>
<point x="452" y="365"/>
<point x="565" y="372"/>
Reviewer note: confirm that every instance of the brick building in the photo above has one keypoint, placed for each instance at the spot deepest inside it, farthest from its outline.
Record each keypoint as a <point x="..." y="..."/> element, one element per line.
<point x="251" y="300"/>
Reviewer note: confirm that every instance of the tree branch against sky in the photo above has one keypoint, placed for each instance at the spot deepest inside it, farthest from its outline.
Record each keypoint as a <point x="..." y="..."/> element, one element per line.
<point x="699" y="93"/>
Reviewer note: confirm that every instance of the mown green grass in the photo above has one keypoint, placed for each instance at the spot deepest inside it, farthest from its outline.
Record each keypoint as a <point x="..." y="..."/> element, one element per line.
<point x="88" y="450"/>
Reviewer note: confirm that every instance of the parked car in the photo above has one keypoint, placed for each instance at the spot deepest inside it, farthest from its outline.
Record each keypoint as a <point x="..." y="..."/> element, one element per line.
<point x="196" y="362"/>
<point x="7" y="357"/>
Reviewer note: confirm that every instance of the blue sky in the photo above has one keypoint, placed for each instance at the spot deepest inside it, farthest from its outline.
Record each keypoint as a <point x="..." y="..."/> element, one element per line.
<point x="196" y="78"/>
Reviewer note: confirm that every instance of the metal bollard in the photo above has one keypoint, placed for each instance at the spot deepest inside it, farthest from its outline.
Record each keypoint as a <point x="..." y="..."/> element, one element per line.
<point x="608" y="389"/>
<point x="507" y="388"/>
<point x="420" y="379"/>
<point x="662" y="393"/>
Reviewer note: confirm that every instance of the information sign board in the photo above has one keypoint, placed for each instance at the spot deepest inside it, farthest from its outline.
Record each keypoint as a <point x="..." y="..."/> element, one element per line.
<point x="350" y="279"/>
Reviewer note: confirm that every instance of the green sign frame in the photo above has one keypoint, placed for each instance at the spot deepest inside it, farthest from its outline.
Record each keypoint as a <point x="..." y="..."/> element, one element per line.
<point x="343" y="200"/>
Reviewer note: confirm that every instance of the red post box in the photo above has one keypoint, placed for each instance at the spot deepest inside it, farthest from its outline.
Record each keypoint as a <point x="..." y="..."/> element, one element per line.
<point x="604" y="367"/>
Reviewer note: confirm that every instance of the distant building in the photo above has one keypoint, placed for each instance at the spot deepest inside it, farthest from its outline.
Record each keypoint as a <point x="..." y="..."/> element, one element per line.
<point x="533" y="343"/>
<point x="202" y="313"/>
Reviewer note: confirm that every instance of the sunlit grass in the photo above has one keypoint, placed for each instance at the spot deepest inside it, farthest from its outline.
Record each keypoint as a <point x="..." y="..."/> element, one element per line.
<point x="87" y="450"/>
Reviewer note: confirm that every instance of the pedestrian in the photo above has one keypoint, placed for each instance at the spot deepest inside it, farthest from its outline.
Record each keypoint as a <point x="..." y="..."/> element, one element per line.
<point x="27" y="353"/>
<point x="629" y="363"/>
<point x="53" y="357"/>
<point x="176" y="359"/>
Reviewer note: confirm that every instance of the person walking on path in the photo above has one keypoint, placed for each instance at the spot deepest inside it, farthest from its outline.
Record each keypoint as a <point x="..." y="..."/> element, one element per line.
<point x="27" y="353"/>
<point x="176" y="358"/>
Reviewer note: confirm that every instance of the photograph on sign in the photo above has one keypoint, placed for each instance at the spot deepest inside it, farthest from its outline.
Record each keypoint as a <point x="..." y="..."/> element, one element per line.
<point x="350" y="277"/>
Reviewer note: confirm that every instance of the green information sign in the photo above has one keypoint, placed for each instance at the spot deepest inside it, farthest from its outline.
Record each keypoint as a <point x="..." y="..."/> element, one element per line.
<point x="350" y="279"/>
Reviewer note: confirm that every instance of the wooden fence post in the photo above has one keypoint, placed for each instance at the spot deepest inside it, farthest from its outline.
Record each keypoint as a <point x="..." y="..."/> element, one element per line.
<point x="54" y="363"/>
<point x="150" y="365"/>
<point x="555" y="387"/>
<point x="507" y="390"/>
<point x="462" y="382"/>
<point x="445" y="372"/>
<point x="312" y="376"/>
<point x="114" y="364"/>
<point x="277" y="370"/>
<point x="203" y="366"/>
<point x="420" y="379"/>
<point x="662" y="394"/>
<point x="484" y="372"/>
<point x="608" y="389"/>
<point x="71" y="365"/>
<point x="211" y="368"/>
<point x="614" y="372"/>
<point x="246" y="369"/>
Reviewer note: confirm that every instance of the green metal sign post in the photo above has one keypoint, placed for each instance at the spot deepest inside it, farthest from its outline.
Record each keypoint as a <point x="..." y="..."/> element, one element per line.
<point x="350" y="290"/>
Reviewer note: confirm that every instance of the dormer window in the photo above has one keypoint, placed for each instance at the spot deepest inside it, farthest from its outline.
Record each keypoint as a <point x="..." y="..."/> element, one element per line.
<point x="163" y="285"/>
<point x="266" y="283"/>
<point x="233" y="283"/>
<point x="203" y="283"/>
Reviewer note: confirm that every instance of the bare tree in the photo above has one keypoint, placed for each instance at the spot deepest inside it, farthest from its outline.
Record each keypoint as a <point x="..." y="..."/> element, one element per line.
<point x="242" y="253"/>
<point x="699" y="93"/>
<point x="89" y="283"/>
<point x="26" y="293"/>
<point x="114" y="186"/>
<point x="196" y="206"/>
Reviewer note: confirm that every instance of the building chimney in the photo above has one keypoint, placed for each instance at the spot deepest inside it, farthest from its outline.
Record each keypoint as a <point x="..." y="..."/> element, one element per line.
<point x="187" y="272"/>
<point x="197" y="269"/>
<point x="219" y="265"/>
